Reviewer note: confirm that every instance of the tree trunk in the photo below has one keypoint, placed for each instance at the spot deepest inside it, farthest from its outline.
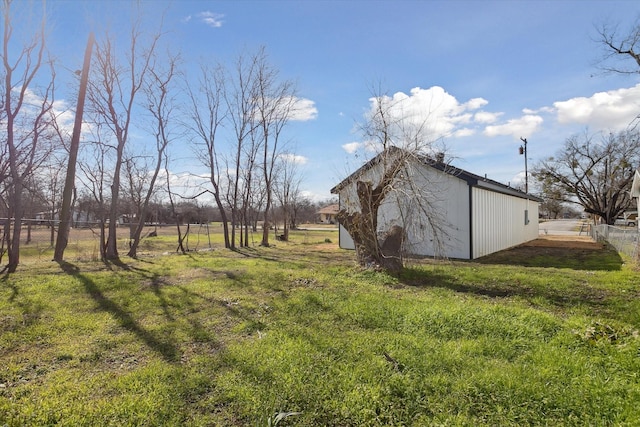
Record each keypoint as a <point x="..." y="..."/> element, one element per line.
<point x="267" y="223"/>
<point x="13" y="248"/>
<point x="111" y="252"/>
<point x="225" y="221"/>
<point x="52" y="233"/>
<point x="29" y="225"/>
<point x="69" y="184"/>
<point x="363" y="229"/>
<point x="103" y="240"/>
<point x="181" y="238"/>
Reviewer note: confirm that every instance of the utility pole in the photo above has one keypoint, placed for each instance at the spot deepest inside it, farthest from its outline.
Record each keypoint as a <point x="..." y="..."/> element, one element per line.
<point x="523" y="151"/>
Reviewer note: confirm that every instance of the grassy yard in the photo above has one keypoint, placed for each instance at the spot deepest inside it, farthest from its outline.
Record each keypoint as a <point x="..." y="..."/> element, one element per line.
<point x="539" y="335"/>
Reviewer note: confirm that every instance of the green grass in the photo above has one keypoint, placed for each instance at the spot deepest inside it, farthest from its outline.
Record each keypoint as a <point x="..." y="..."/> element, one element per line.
<point x="234" y="338"/>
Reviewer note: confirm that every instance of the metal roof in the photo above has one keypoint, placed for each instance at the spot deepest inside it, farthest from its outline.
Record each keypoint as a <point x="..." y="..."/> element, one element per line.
<point x="472" y="179"/>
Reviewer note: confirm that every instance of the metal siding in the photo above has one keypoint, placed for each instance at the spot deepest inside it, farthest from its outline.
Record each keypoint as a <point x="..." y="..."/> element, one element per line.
<point x="498" y="221"/>
<point x="346" y="242"/>
<point x="449" y="196"/>
<point x="348" y="199"/>
<point x="450" y="199"/>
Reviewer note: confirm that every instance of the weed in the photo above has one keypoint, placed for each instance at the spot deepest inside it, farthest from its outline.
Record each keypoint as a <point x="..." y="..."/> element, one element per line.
<point x="275" y="419"/>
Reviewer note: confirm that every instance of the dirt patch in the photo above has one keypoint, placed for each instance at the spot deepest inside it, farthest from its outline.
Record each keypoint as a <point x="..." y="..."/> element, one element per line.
<point x="576" y="252"/>
<point x="565" y="242"/>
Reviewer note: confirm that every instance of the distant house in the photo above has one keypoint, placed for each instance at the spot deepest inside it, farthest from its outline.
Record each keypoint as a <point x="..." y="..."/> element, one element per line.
<point x="45" y="216"/>
<point x="479" y="216"/>
<point x="635" y="192"/>
<point x="327" y="215"/>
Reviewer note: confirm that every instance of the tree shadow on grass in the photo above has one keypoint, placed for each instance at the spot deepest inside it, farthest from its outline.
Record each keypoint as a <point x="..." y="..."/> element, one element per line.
<point x="14" y="288"/>
<point x="261" y="253"/>
<point x="598" y="300"/>
<point x="117" y="262"/>
<point x="166" y="349"/>
<point x="31" y="310"/>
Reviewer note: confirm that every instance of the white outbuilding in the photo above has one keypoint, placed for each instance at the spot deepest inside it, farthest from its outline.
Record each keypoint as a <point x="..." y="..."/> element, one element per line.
<point x="476" y="216"/>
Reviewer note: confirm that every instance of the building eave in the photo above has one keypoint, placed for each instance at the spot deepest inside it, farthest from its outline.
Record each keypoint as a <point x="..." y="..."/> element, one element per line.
<point x="472" y="179"/>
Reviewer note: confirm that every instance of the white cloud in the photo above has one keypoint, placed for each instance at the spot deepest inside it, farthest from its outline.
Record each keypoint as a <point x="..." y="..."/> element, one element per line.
<point x="475" y="103"/>
<point x="303" y="110"/>
<point x="518" y="180"/>
<point x="65" y="116"/>
<point x="523" y="126"/>
<point x="440" y="111"/>
<point x="464" y="132"/>
<point x="60" y="109"/>
<point x="214" y="20"/>
<point x="352" y="147"/>
<point x="612" y="110"/>
<point x="294" y="158"/>
<point x="291" y="108"/>
<point x="539" y="110"/>
<point x="485" y="117"/>
<point x="369" y="146"/>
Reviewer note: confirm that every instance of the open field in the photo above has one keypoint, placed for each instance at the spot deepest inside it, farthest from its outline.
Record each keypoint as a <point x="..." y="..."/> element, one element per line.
<point x="543" y="334"/>
<point x="83" y="242"/>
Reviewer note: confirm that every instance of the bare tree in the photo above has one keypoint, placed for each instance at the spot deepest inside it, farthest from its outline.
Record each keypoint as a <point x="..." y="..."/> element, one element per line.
<point x="174" y="212"/>
<point x="27" y="117"/>
<point x="96" y="170"/>
<point x="38" y="205"/>
<point x="49" y="189"/>
<point x="401" y="140"/>
<point x="287" y="190"/>
<point x="252" y="190"/>
<point x="252" y="106"/>
<point x="74" y="147"/>
<point x="594" y="173"/>
<point x="553" y="199"/>
<point x="621" y="51"/>
<point x="136" y="174"/>
<point x="116" y="82"/>
<point x="205" y="118"/>
<point x="302" y="210"/>
<point x="276" y="101"/>
<point x="241" y="96"/>
<point x="160" y="101"/>
<point x="620" y="47"/>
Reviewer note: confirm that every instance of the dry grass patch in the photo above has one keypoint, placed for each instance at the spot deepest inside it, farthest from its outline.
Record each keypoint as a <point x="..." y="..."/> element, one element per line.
<point x="575" y="252"/>
<point x="565" y="242"/>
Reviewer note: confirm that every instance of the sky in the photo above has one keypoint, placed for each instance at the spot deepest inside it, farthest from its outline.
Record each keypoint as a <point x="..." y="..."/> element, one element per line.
<point x="490" y="72"/>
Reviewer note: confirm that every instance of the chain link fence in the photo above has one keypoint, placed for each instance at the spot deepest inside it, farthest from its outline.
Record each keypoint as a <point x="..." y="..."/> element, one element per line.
<point x="624" y="239"/>
<point x="38" y="237"/>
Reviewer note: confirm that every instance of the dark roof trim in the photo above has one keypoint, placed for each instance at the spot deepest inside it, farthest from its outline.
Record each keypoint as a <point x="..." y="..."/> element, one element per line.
<point x="472" y="179"/>
<point x="370" y="164"/>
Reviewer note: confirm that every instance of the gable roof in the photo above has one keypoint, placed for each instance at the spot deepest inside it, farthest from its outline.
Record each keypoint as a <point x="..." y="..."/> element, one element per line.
<point x="472" y="179"/>
<point x="330" y="209"/>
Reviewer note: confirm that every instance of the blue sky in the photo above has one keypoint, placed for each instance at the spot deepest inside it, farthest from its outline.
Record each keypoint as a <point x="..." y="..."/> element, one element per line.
<point x="498" y="70"/>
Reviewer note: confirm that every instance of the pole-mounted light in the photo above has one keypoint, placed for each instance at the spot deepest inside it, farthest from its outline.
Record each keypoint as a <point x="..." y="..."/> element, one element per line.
<point x="523" y="151"/>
